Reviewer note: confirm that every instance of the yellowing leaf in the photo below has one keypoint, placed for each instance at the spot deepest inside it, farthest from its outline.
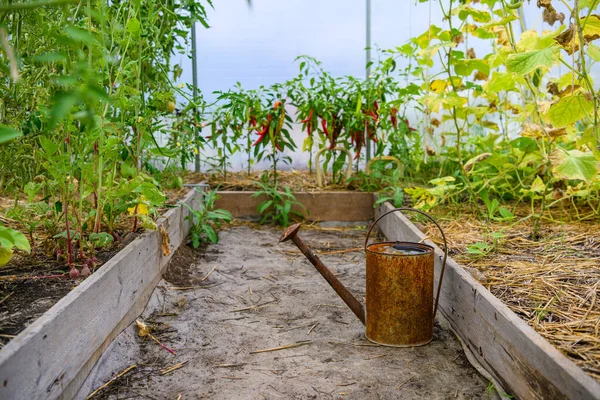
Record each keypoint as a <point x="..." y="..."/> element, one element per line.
<point x="569" y="39"/>
<point x="438" y="85"/>
<point x="570" y="109"/>
<point x="538" y="185"/>
<point x="5" y="255"/>
<point x="574" y="164"/>
<point x="142" y="209"/>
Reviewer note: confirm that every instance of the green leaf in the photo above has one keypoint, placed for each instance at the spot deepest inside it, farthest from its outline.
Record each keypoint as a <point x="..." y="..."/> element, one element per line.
<point x="467" y="67"/>
<point x="525" y="63"/>
<point x="574" y="164"/>
<point x="133" y="27"/>
<point x="264" y="206"/>
<point x="211" y="234"/>
<point x="101" y="239"/>
<point x="7" y="134"/>
<point x="569" y="110"/>
<point x="594" y="52"/>
<point x="10" y="238"/>
<point x="49" y="146"/>
<point x="501" y="81"/>
<point x="61" y="106"/>
<point x="80" y="35"/>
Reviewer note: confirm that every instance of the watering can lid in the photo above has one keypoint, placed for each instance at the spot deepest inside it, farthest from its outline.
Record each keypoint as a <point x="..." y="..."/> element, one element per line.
<point x="400" y="248"/>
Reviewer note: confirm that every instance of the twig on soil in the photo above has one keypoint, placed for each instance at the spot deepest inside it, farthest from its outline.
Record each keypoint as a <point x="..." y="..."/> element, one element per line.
<point x="256" y="307"/>
<point x="112" y="380"/>
<point x="27" y="277"/>
<point x="404" y="383"/>
<point x="172" y="368"/>
<point x="162" y="345"/>
<point x="287" y="346"/>
<point x="207" y="275"/>
<point x="229" y="365"/>
<point x="374" y="357"/>
<point x="193" y="287"/>
<point x="312" y="327"/>
<point x="6" y="297"/>
<point x="294" y="328"/>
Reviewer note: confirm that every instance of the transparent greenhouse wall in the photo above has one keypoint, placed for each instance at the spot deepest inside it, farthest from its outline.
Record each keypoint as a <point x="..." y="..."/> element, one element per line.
<point x="238" y="48"/>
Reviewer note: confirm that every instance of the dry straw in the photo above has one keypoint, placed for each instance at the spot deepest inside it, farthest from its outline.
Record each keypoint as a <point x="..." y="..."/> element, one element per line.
<point x="552" y="283"/>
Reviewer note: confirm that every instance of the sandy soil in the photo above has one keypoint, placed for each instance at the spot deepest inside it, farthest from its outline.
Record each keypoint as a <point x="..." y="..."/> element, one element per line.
<point x="262" y="295"/>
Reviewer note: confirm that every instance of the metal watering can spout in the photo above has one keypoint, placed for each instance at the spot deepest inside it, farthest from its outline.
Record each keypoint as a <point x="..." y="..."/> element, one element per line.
<point x="291" y="233"/>
<point x="399" y="309"/>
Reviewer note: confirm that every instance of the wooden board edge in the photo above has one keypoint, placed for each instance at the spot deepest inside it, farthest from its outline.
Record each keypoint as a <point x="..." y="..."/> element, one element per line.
<point x="556" y="369"/>
<point x="343" y="206"/>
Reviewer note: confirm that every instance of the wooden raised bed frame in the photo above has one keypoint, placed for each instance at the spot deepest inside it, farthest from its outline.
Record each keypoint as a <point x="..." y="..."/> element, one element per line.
<point x="52" y="357"/>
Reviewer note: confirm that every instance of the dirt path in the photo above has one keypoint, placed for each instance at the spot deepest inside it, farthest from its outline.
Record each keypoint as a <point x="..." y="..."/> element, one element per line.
<point x="262" y="295"/>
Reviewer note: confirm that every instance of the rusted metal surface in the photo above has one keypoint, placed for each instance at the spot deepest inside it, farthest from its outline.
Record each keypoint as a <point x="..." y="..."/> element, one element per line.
<point x="399" y="294"/>
<point x="291" y="233"/>
<point x="437" y="296"/>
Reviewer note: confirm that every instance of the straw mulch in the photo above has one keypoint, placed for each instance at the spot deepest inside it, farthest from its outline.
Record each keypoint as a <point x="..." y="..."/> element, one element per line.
<point x="552" y="283"/>
<point x="297" y="181"/>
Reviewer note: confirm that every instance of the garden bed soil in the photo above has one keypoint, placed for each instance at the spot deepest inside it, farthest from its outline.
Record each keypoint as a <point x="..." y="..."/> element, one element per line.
<point x="553" y="283"/>
<point x="31" y="284"/>
<point x="296" y="180"/>
<point x="220" y="307"/>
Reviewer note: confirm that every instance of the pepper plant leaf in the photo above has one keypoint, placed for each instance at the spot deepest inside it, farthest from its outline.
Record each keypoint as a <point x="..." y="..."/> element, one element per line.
<point x="569" y="110"/>
<point x="574" y="164"/>
<point x="525" y="63"/>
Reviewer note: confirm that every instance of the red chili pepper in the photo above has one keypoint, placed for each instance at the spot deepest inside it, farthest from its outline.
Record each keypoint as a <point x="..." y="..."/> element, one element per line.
<point x="310" y="115"/>
<point x="337" y="128"/>
<point x="324" y="125"/>
<point x="393" y="118"/>
<point x="376" y="106"/>
<point x="410" y="129"/>
<point x="277" y="147"/>
<point x="252" y="121"/>
<point x="263" y="130"/>
<point x="260" y="139"/>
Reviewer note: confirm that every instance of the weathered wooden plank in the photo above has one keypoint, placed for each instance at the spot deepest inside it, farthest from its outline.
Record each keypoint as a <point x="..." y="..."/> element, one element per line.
<point x="524" y="363"/>
<point x="52" y="357"/>
<point x="321" y="206"/>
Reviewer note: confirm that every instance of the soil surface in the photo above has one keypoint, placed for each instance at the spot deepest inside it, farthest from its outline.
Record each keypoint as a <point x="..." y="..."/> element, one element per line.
<point x="265" y="325"/>
<point x="31" y="284"/>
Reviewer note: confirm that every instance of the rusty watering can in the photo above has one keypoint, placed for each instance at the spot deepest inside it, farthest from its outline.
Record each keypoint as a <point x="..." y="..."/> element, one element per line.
<point x="399" y="297"/>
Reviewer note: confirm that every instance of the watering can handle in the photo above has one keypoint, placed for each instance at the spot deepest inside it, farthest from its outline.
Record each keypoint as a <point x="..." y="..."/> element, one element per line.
<point x="437" y="298"/>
